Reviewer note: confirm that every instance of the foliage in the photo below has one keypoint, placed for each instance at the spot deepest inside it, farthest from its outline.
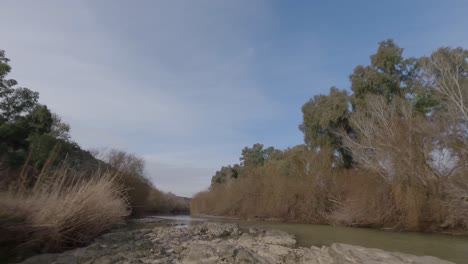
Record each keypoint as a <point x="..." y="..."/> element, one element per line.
<point x="143" y="197"/>
<point x="57" y="213"/>
<point x="389" y="74"/>
<point x="256" y="155"/>
<point x="446" y="71"/>
<point x="59" y="129"/>
<point x="13" y="101"/>
<point x="56" y="195"/>
<point x="393" y="154"/>
<point x="37" y="139"/>
<point x="323" y="117"/>
<point x="226" y="174"/>
<point x="22" y="118"/>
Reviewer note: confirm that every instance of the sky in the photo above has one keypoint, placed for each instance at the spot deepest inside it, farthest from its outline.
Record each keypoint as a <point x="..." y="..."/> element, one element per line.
<point x="187" y="84"/>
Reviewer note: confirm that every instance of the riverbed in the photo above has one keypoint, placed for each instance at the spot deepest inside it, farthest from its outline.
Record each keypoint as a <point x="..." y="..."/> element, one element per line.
<point x="448" y="247"/>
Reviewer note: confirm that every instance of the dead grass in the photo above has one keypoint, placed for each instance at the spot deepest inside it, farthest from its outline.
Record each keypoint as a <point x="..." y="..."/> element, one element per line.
<point x="63" y="209"/>
<point x="360" y="197"/>
<point x="282" y="189"/>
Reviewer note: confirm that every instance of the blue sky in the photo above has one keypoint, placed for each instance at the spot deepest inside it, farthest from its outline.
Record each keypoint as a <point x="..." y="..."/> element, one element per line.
<point x="188" y="84"/>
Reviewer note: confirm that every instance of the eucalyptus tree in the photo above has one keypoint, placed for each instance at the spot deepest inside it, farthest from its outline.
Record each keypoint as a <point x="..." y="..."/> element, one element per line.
<point x="324" y="117"/>
<point x="389" y="74"/>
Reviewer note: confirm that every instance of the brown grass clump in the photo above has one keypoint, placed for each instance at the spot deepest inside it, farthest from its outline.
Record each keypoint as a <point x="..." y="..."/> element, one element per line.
<point x="63" y="209"/>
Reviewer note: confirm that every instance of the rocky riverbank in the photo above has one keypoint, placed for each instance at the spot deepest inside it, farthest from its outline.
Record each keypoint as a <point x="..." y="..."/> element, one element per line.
<point x="217" y="243"/>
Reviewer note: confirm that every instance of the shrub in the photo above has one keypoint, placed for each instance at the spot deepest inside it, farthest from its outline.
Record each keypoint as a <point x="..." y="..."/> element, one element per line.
<point x="63" y="209"/>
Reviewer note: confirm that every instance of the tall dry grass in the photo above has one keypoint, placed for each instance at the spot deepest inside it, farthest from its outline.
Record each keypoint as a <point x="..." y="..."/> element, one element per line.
<point x="142" y="196"/>
<point x="398" y="182"/>
<point x="354" y="197"/>
<point x="63" y="208"/>
<point x="289" y="189"/>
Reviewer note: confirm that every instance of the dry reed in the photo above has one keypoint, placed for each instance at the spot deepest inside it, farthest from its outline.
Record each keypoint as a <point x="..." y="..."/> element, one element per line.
<point x="64" y="208"/>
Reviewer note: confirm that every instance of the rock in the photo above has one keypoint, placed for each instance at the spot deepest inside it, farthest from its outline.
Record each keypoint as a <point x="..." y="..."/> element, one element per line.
<point x="226" y="252"/>
<point x="276" y="237"/>
<point x="253" y="230"/>
<point x="214" y="230"/>
<point x="355" y="254"/>
<point x="199" y="252"/>
<point x="51" y="258"/>
<point x="244" y="256"/>
<point x="103" y="260"/>
<point x="218" y="243"/>
<point x="146" y="220"/>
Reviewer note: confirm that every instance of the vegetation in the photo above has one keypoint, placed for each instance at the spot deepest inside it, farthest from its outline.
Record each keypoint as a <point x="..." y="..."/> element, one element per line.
<point x="58" y="212"/>
<point x="393" y="154"/>
<point x="55" y="195"/>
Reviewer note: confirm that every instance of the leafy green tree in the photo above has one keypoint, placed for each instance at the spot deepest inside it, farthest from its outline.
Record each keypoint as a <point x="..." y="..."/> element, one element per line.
<point x="225" y="174"/>
<point x="256" y="155"/>
<point x="17" y="101"/>
<point x="5" y="68"/>
<point x="40" y="120"/>
<point x="390" y="74"/>
<point x="17" y="136"/>
<point x="23" y="120"/>
<point x="324" y="118"/>
<point x="13" y="141"/>
<point x="59" y="129"/>
<point x="251" y="157"/>
<point x="13" y="101"/>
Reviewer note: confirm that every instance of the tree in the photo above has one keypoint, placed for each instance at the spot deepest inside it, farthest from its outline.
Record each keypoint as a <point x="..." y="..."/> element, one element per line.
<point x="59" y="129"/>
<point x="13" y="101"/>
<point x="5" y="68"/>
<point x="446" y="71"/>
<point x="389" y="74"/>
<point x="323" y="117"/>
<point x="125" y="162"/>
<point x="25" y="125"/>
<point x="225" y="174"/>
<point x="17" y="101"/>
<point x="446" y="74"/>
<point x="40" y="120"/>
<point x="256" y="155"/>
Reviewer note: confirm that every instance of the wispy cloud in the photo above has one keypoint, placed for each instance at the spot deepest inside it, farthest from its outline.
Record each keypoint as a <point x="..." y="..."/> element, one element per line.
<point x="150" y="78"/>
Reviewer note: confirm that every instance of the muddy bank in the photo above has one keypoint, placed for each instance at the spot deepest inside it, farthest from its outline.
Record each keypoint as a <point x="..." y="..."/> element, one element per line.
<point x="217" y="243"/>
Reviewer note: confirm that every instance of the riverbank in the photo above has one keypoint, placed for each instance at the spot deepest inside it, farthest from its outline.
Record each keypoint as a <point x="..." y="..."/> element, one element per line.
<point x="455" y="232"/>
<point x="444" y="246"/>
<point x="217" y="243"/>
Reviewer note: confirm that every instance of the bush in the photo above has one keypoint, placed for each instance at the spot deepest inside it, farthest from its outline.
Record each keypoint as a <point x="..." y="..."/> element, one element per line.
<point x="63" y="209"/>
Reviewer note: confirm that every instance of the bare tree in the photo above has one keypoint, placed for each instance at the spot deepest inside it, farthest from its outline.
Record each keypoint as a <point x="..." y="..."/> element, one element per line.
<point x="447" y="72"/>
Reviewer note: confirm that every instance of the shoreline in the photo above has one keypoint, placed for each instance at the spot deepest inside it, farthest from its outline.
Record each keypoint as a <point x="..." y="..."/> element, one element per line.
<point x="455" y="233"/>
<point x="218" y="243"/>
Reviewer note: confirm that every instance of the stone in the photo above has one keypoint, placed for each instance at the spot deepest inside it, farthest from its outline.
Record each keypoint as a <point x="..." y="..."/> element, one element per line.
<point x="277" y="237"/>
<point x="103" y="260"/>
<point x="218" y="243"/>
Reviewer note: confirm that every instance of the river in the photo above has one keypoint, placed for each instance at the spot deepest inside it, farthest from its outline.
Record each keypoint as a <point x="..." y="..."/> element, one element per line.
<point x="452" y="248"/>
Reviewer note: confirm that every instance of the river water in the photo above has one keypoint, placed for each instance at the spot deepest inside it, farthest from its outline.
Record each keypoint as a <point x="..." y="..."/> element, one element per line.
<point x="453" y="248"/>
